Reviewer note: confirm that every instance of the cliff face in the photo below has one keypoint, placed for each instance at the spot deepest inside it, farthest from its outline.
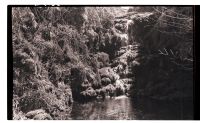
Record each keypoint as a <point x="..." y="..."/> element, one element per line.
<point x="165" y="69"/>
<point x="41" y="53"/>
<point x="57" y="52"/>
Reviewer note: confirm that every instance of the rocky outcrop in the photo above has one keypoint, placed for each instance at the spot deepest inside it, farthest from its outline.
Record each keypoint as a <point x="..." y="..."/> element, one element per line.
<point x="161" y="73"/>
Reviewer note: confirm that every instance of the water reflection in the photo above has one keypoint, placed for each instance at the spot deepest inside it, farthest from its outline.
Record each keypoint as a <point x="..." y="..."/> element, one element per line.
<point x="162" y="110"/>
<point x="126" y="109"/>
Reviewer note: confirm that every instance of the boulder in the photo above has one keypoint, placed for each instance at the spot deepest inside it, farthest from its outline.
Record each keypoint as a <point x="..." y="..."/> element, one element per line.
<point x="33" y="113"/>
<point x="105" y="81"/>
<point x="89" y="93"/>
<point x="42" y="116"/>
<point x="109" y="73"/>
<point x="38" y="114"/>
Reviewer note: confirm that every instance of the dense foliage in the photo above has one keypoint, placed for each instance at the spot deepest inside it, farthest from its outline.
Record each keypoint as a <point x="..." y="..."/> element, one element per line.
<point x="66" y="54"/>
<point x="53" y="56"/>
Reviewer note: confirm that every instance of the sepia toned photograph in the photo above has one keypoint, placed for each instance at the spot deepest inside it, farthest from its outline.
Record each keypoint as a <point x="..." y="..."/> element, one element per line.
<point x="102" y="62"/>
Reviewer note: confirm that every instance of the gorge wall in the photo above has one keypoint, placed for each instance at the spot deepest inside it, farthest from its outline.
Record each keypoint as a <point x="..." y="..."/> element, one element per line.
<point x="165" y="53"/>
<point x="67" y="54"/>
<point x="61" y="54"/>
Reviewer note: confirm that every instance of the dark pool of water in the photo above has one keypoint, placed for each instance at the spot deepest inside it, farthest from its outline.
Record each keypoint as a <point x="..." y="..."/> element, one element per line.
<point x="123" y="108"/>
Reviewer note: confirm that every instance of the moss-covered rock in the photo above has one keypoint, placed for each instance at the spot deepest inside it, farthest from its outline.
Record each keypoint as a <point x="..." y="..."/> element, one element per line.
<point x="109" y="73"/>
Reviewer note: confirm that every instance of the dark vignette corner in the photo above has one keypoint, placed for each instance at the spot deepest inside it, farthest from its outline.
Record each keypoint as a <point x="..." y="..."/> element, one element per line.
<point x="9" y="63"/>
<point x="196" y="64"/>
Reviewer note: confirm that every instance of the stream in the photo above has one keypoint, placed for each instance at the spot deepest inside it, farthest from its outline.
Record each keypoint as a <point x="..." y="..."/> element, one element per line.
<point x="125" y="108"/>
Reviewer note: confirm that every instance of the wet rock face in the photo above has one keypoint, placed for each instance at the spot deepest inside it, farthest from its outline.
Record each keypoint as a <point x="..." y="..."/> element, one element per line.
<point x="156" y="75"/>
